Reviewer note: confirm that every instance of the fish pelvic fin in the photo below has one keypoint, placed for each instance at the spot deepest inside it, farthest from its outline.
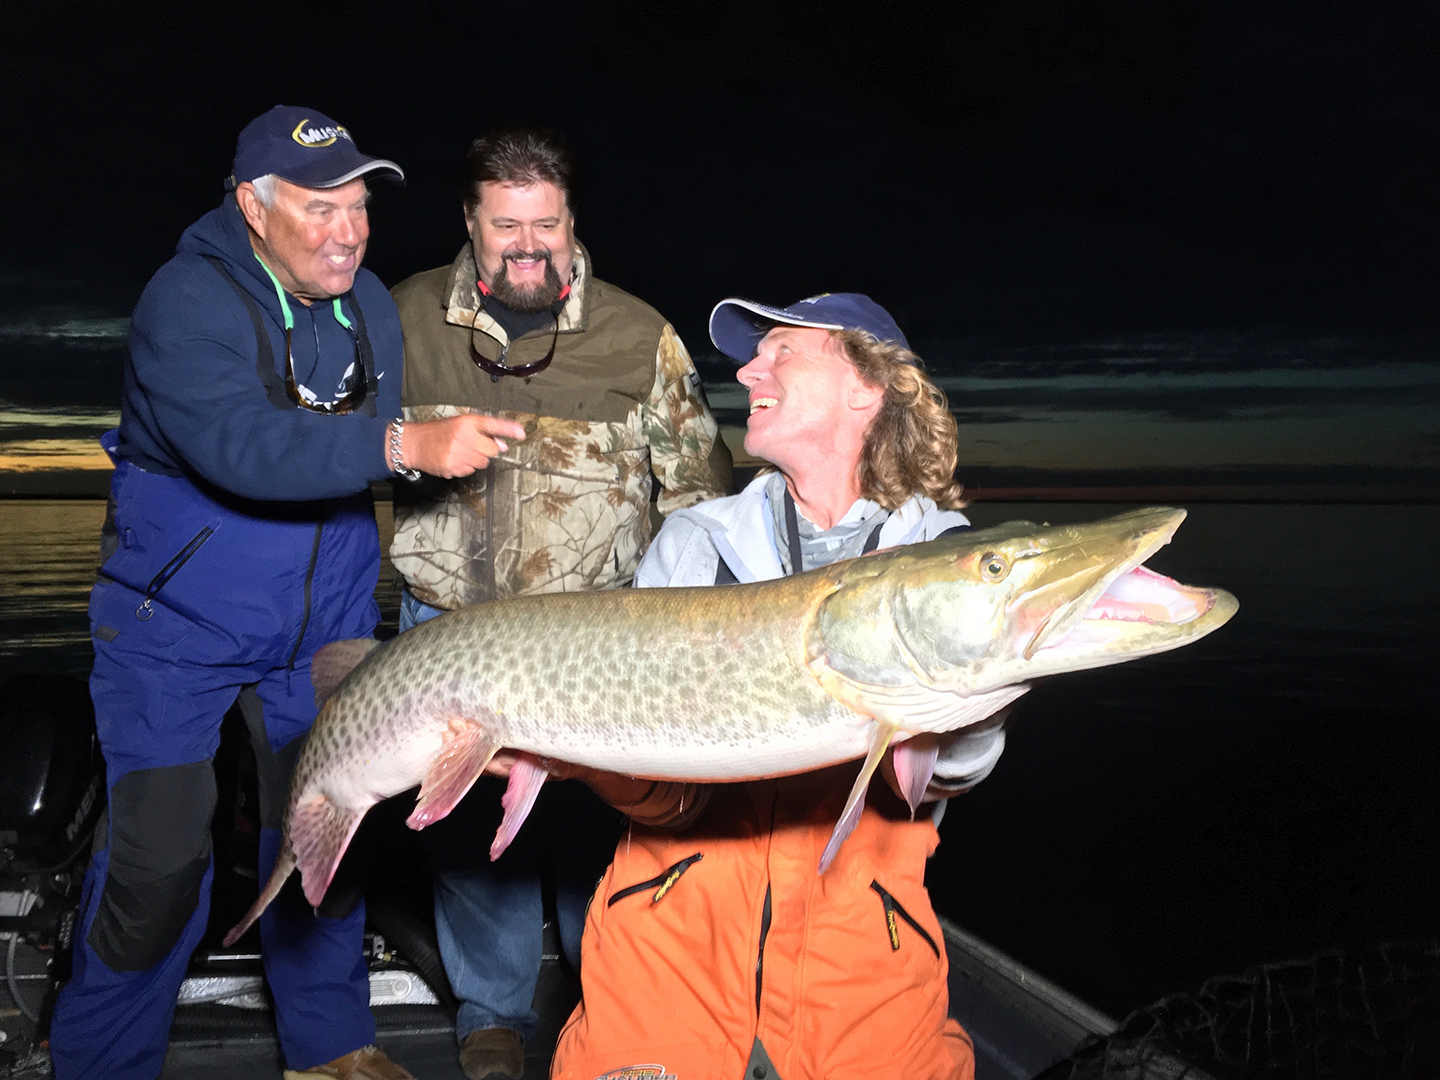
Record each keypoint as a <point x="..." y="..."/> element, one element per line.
<point x="333" y="662"/>
<point x="850" y="816"/>
<point x="320" y="832"/>
<point x="284" y="867"/>
<point x="914" y="761"/>
<point x="455" y="767"/>
<point x="527" y="776"/>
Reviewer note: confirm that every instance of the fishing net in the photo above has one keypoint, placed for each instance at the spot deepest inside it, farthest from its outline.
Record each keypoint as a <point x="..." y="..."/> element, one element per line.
<point x="1335" y="1016"/>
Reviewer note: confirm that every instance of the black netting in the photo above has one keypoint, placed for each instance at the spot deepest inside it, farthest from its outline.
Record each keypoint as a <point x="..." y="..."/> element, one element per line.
<point x="1336" y="1016"/>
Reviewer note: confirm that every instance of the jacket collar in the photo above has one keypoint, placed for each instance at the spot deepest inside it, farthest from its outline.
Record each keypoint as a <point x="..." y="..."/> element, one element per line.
<point x="742" y="528"/>
<point x="462" y="300"/>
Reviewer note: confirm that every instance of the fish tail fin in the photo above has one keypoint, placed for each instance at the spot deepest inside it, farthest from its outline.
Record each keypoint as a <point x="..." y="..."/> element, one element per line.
<point x="320" y="832"/>
<point x="914" y="766"/>
<point x="452" y="772"/>
<point x="527" y="776"/>
<point x="284" y="867"/>
<point x="333" y="662"/>
<point x="850" y="816"/>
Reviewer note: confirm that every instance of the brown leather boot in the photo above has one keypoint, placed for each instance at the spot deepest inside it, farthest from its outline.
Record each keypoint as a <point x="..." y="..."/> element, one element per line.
<point x="493" y="1054"/>
<point x="367" y="1063"/>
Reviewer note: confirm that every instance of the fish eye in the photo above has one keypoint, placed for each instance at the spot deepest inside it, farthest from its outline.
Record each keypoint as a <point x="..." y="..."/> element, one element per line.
<point x="994" y="567"/>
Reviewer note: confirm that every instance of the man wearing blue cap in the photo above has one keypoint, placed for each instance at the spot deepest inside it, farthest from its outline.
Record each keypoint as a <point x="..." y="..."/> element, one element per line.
<point x="261" y="398"/>
<point x="713" y="948"/>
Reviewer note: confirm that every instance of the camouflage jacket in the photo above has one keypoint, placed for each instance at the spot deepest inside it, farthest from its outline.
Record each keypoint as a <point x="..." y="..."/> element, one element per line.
<point x="568" y="509"/>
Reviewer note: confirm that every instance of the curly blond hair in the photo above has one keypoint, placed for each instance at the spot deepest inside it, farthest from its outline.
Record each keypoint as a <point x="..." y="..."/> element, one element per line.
<point x="912" y="445"/>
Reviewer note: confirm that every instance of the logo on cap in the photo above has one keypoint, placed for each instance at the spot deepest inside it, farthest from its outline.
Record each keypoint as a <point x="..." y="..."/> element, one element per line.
<point x="812" y="299"/>
<point x="316" y="137"/>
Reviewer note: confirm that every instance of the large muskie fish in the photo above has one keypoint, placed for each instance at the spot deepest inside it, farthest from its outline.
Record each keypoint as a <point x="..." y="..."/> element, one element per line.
<point x="728" y="683"/>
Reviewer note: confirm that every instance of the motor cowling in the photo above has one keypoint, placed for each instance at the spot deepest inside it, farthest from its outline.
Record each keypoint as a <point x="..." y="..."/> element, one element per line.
<point x="52" y="776"/>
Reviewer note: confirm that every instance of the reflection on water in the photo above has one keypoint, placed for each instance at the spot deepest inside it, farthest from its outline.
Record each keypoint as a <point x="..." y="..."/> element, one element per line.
<point x="49" y="552"/>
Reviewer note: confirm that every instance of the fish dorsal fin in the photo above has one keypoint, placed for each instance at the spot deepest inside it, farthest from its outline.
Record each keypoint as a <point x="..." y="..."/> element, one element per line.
<point x="454" y="768"/>
<point x="334" y="661"/>
<point x="855" y="804"/>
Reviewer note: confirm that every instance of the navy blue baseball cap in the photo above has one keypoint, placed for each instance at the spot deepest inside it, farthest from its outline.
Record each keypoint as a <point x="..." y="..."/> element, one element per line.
<point x="305" y="147"/>
<point x="736" y="326"/>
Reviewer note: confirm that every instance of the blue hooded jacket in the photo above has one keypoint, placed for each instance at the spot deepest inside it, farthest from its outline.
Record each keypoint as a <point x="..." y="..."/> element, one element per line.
<point x="194" y="404"/>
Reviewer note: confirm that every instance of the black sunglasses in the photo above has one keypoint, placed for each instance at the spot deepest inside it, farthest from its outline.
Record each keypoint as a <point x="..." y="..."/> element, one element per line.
<point x="353" y="396"/>
<point x="496" y="368"/>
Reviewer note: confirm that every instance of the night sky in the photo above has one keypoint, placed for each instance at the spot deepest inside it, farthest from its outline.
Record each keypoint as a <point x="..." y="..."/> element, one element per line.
<point x="1127" y="236"/>
<point x="1043" y="167"/>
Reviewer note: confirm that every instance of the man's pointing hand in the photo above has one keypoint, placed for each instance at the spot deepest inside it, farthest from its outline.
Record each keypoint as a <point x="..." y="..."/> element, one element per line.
<point x="457" y="445"/>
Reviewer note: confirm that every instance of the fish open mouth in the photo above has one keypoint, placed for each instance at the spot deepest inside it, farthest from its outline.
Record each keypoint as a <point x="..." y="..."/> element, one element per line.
<point x="1142" y="595"/>
<point x="1139" y="612"/>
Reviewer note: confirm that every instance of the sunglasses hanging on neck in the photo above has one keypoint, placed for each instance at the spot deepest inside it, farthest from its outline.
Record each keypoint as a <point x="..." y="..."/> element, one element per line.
<point x="497" y="367"/>
<point x="302" y="395"/>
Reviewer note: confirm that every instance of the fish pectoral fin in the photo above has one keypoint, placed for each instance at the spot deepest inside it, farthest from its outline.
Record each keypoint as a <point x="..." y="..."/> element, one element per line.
<point x="914" y="761"/>
<point x="850" y="816"/>
<point x="527" y="776"/>
<point x="455" y="767"/>
<point x="320" y="832"/>
<point x="333" y="662"/>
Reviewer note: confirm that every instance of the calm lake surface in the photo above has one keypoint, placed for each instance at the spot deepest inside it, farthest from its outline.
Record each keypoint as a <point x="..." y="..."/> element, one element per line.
<point x="1269" y="792"/>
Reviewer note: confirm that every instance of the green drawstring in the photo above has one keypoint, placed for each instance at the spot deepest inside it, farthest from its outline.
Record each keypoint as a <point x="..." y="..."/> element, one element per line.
<point x="285" y="305"/>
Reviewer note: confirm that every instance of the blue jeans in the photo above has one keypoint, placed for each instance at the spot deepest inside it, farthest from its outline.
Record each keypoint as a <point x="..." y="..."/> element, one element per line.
<point x="489" y="917"/>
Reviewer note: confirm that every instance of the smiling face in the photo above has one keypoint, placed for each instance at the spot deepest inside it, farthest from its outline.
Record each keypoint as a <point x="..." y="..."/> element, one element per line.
<point x="808" y="404"/>
<point x="524" y="238"/>
<point x="313" y="239"/>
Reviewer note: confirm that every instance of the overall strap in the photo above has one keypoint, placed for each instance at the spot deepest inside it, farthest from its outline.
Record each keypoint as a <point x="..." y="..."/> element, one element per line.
<point x="873" y="540"/>
<point x="792" y="533"/>
<point x="265" y="358"/>
<point x="367" y="358"/>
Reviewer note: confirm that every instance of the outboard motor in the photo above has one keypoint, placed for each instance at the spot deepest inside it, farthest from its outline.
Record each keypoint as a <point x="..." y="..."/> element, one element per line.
<point x="52" y="793"/>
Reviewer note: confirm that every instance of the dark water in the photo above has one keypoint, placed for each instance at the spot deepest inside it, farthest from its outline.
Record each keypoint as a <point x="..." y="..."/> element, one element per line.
<point x="1278" y="406"/>
<point x="1267" y="792"/>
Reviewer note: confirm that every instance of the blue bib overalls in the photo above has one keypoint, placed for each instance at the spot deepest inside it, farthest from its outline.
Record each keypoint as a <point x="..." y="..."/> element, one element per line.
<point x="201" y="602"/>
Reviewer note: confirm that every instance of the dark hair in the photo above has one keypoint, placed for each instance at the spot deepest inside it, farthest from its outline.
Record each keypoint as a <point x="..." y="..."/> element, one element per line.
<point x="522" y="156"/>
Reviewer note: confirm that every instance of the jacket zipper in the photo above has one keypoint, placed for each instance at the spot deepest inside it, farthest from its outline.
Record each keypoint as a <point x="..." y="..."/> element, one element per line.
<point x="892" y="910"/>
<point x="492" y="591"/>
<point x="309" y="584"/>
<point x="765" y="915"/>
<point x="661" y="883"/>
<point x="145" y="612"/>
<point x="760" y="953"/>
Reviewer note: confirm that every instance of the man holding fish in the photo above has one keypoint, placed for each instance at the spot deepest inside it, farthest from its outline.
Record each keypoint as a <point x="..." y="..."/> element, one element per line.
<point x="905" y="657"/>
<point x="714" y="945"/>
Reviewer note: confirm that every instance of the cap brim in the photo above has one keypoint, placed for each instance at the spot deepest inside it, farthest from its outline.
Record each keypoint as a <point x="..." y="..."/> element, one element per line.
<point x="736" y="334"/>
<point x="388" y="170"/>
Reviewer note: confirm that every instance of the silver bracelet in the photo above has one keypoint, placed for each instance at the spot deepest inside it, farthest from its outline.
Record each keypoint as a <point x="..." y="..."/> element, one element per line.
<point x="397" y="461"/>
